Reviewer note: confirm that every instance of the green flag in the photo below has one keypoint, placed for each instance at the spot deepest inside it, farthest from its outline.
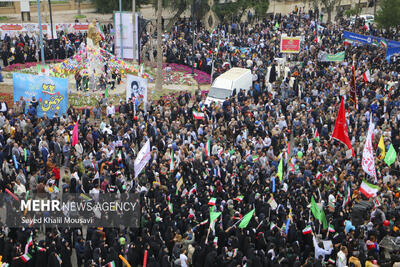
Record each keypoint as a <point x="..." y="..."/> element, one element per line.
<point x="280" y="168"/>
<point x="315" y="210"/>
<point x="106" y="93"/>
<point x="246" y="219"/>
<point x="323" y="219"/>
<point x="276" y="25"/>
<point x="213" y="218"/>
<point x="390" y="155"/>
<point x="214" y="215"/>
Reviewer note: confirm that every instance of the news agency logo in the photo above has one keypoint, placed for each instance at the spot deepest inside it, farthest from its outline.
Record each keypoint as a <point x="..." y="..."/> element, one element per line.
<point x="47" y="205"/>
<point x="40" y="205"/>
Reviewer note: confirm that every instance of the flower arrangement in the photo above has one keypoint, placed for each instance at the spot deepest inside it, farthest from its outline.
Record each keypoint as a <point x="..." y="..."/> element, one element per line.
<point x="19" y="66"/>
<point x="201" y="77"/>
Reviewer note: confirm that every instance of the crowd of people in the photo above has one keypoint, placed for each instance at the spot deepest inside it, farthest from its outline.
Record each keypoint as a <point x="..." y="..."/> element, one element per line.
<point x="258" y="151"/>
<point x="24" y="47"/>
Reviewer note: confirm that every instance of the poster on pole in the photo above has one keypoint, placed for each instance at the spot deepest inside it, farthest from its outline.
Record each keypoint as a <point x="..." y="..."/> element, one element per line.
<point x="127" y="35"/>
<point x="50" y="92"/>
<point x="136" y="88"/>
<point x="290" y="44"/>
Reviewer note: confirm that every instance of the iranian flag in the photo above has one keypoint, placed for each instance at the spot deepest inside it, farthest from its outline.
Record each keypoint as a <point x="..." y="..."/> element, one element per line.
<point x="212" y="189"/>
<point x="273" y="225"/>
<point x="184" y="193"/>
<point x="317" y="39"/>
<point x="28" y="243"/>
<point x="170" y="207"/>
<point x="100" y="30"/>
<point x="239" y="198"/>
<point x="26" y="257"/>
<point x="331" y="229"/>
<point x="316" y="135"/>
<point x="331" y="261"/>
<point x="215" y="241"/>
<point x="377" y="202"/>
<point x="212" y="201"/>
<point x="40" y="249"/>
<point x="334" y="178"/>
<point x="307" y="230"/>
<point x="367" y="76"/>
<point x="111" y="264"/>
<point x="193" y="190"/>
<point x="369" y="190"/>
<point x="348" y="42"/>
<point x="292" y="165"/>
<point x="347" y="197"/>
<point x="204" y="222"/>
<point x="318" y="176"/>
<point x="208" y="147"/>
<point x="191" y="214"/>
<point x="383" y="43"/>
<point x="198" y="115"/>
<point x="220" y="152"/>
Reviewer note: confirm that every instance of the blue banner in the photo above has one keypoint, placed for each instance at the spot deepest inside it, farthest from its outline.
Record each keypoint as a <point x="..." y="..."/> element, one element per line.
<point x="391" y="51"/>
<point x="357" y="37"/>
<point x="393" y="47"/>
<point x="50" y="92"/>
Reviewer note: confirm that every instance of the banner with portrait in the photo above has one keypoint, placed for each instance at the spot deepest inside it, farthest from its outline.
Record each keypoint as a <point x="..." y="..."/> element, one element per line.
<point x="50" y="92"/>
<point x="136" y="88"/>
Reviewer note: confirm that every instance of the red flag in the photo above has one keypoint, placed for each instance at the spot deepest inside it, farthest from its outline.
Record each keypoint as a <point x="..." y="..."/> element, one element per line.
<point x="75" y="139"/>
<point x="353" y="91"/>
<point x="340" y="132"/>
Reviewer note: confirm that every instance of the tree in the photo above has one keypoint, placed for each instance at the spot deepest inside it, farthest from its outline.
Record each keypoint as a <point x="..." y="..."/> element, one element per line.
<point x="159" y="78"/>
<point x="106" y="6"/>
<point x="389" y="14"/>
<point x="79" y="7"/>
<point x="329" y="6"/>
<point x="200" y="10"/>
<point x="235" y="10"/>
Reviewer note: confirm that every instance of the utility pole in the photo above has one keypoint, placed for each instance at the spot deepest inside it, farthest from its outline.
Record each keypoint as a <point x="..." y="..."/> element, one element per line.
<point x="134" y="30"/>
<point x="40" y="31"/>
<point x="159" y="79"/>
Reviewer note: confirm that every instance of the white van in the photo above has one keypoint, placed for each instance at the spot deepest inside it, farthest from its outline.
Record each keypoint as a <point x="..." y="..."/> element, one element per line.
<point x="225" y="84"/>
<point x="367" y="18"/>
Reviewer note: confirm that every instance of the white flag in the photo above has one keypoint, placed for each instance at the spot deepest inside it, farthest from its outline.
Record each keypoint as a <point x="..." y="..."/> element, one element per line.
<point x="142" y="158"/>
<point x="368" y="162"/>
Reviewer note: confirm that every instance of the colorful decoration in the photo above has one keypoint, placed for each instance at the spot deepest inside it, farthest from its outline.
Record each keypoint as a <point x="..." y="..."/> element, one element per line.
<point x="80" y="61"/>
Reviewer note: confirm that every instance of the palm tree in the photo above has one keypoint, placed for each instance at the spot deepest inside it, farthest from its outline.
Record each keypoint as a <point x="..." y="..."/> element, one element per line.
<point x="159" y="78"/>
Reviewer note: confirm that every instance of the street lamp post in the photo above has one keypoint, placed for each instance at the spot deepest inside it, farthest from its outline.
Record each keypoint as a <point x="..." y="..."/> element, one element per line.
<point x="120" y="28"/>
<point x="40" y="32"/>
<point x="193" y="30"/>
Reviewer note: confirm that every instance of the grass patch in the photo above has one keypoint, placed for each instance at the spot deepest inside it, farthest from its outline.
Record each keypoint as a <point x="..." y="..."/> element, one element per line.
<point x="3" y="18"/>
<point x="80" y="16"/>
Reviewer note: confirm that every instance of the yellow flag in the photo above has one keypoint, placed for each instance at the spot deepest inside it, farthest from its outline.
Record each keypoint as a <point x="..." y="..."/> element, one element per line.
<point x="381" y="147"/>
